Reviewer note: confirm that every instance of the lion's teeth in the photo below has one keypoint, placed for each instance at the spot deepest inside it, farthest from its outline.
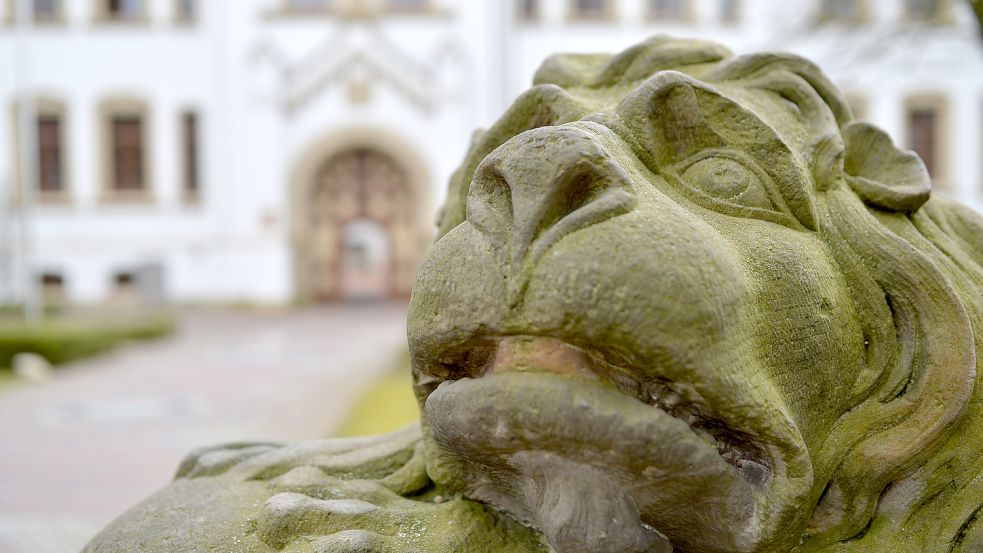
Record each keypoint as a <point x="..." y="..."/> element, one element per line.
<point x="655" y="391"/>
<point x="710" y="439"/>
<point x="672" y="399"/>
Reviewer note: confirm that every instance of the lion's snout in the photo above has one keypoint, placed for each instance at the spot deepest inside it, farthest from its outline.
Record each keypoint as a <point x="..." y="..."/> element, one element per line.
<point x="545" y="184"/>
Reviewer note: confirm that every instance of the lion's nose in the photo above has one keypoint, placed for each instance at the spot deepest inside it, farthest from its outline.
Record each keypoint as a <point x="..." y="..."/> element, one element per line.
<point x="543" y="185"/>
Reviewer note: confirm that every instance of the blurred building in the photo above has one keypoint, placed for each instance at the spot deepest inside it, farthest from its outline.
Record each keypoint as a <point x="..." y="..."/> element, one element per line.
<point x="275" y="150"/>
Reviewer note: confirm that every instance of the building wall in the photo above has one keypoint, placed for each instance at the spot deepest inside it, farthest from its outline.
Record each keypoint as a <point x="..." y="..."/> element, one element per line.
<point x="273" y="89"/>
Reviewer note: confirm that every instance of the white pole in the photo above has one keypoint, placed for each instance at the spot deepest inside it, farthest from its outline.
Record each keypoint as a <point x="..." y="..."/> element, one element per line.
<point x="27" y="138"/>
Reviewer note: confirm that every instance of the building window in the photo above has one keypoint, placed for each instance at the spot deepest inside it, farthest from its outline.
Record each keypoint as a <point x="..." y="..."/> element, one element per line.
<point x="52" y="289"/>
<point x="926" y="127"/>
<point x="124" y="280"/>
<point x="845" y="11"/>
<point x="52" y="279"/>
<point x="125" y="139"/>
<point x="124" y="10"/>
<point x="50" y="164"/>
<point x="591" y="9"/>
<point x="47" y="11"/>
<point x="667" y="9"/>
<point x="48" y="177"/>
<point x="186" y="11"/>
<point x="125" y="291"/>
<point x="191" y="158"/>
<point x="730" y="11"/>
<point x="923" y="125"/>
<point x="528" y="10"/>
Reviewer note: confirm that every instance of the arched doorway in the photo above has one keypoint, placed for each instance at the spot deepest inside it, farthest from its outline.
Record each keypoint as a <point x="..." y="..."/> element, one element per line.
<point x="360" y="219"/>
<point x="366" y="260"/>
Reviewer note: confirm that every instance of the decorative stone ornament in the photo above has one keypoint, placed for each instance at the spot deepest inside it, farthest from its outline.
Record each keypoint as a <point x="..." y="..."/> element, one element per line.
<point x="680" y="301"/>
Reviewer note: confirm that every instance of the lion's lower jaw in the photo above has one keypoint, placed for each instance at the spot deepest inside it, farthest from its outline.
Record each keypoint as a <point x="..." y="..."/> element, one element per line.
<point x="554" y="468"/>
<point x="578" y="508"/>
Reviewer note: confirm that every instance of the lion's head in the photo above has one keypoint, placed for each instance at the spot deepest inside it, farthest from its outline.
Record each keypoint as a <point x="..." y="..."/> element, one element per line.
<point x="683" y="297"/>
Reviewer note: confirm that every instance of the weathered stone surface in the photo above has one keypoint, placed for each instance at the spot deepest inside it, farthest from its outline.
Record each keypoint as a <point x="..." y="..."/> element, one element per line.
<point x="337" y="496"/>
<point x="680" y="301"/>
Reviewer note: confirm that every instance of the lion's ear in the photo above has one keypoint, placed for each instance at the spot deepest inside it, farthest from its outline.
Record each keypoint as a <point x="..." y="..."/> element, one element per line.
<point x="882" y="174"/>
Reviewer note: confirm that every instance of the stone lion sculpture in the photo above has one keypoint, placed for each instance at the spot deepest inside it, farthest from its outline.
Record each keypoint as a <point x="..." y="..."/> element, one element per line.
<point x="680" y="301"/>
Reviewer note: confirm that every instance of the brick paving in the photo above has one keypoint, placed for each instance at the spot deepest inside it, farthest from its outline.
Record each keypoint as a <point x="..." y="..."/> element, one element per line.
<point x="104" y="433"/>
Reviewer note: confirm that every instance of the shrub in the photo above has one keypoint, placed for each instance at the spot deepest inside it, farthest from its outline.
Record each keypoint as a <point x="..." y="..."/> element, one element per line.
<point x="63" y="342"/>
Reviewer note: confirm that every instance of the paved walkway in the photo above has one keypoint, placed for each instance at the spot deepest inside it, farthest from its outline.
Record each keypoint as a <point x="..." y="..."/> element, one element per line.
<point x="105" y="433"/>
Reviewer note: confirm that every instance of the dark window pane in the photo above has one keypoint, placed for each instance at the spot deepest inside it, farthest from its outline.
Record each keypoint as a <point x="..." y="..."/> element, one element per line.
<point x="190" y="135"/>
<point x="124" y="9"/>
<point x="49" y="153"/>
<point x="590" y="8"/>
<point x="52" y="279"/>
<point x="127" y="137"/>
<point x="922" y="130"/>
<point x="46" y="9"/>
<point x="528" y="9"/>
<point x="187" y="9"/>
<point x="843" y="10"/>
<point x="667" y="9"/>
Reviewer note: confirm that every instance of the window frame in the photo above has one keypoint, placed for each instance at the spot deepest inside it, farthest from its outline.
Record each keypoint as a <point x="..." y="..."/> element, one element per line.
<point x="44" y="106"/>
<point x="50" y="107"/>
<point x="110" y="109"/>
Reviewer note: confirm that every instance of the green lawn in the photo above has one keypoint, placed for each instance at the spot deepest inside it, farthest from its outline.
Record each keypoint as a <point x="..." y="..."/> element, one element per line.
<point x="387" y="405"/>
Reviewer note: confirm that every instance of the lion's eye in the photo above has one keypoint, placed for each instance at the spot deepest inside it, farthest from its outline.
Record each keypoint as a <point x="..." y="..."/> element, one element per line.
<point x="729" y="180"/>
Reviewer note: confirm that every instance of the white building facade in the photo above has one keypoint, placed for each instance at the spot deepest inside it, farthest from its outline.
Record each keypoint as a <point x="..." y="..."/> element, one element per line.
<point x="268" y="151"/>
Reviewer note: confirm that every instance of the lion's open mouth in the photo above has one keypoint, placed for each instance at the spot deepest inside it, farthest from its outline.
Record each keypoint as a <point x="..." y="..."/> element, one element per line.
<point x="536" y="354"/>
<point x="556" y="435"/>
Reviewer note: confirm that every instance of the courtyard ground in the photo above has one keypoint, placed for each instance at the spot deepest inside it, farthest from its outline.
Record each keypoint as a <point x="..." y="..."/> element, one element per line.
<point x="105" y="433"/>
